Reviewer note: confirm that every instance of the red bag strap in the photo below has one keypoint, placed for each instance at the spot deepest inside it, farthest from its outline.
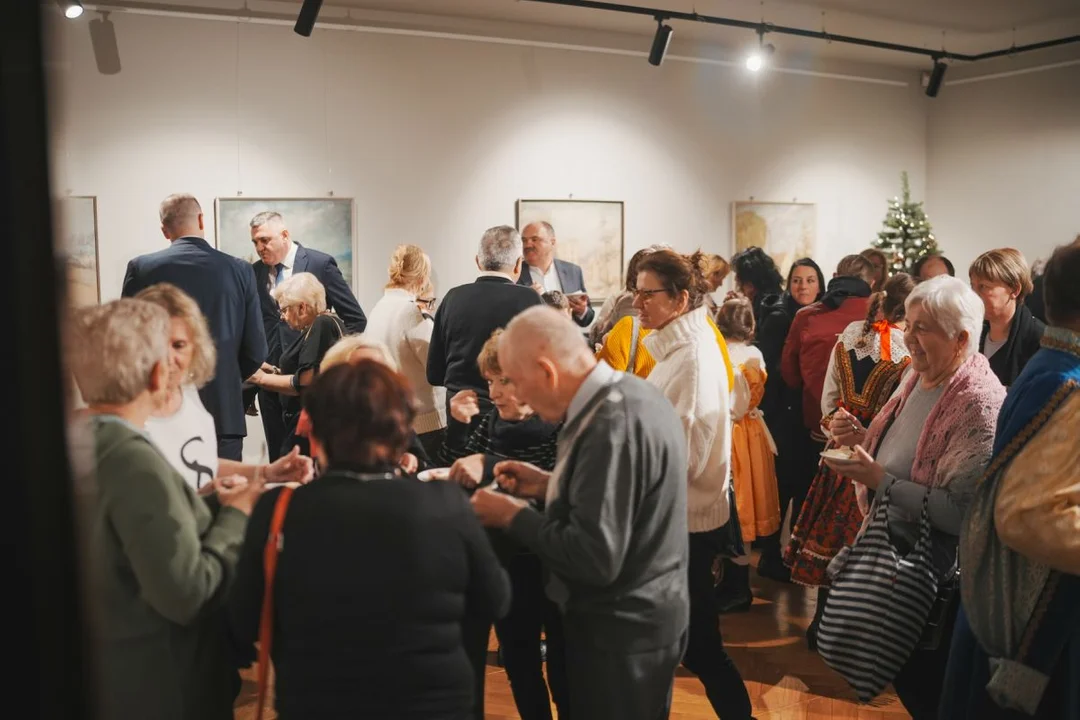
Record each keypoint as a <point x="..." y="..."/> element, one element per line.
<point x="274" y="543"/>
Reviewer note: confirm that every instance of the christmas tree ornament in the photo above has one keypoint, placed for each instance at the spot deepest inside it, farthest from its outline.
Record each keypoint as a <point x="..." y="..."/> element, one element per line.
<point x="907" y="236"/>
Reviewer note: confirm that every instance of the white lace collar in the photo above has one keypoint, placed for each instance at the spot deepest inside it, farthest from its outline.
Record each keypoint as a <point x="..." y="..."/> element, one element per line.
<point x="853" y="334"/>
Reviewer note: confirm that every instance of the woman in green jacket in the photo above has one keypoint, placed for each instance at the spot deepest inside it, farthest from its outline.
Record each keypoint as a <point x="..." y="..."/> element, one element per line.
<point x="162" y="556"/>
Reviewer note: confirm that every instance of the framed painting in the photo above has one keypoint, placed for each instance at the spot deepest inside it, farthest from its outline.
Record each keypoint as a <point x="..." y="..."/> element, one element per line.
<point x="588" y="233"/>
<point x="324" y="224"/>
<point x="786" y="231"/>
<point x="76" y="221"/>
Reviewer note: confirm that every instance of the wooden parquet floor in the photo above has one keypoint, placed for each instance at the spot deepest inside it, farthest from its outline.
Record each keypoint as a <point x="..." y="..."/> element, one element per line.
<point x="786" y="681"/>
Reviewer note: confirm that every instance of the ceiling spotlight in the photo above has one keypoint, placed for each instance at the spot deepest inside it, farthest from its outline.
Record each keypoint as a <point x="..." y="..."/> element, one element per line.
<point x="72" y="8"/>
<point x="309" y="11"/>
<point x="660" y="43"/>
<point x="937" y="76"/>
<point x="757" y="59"/>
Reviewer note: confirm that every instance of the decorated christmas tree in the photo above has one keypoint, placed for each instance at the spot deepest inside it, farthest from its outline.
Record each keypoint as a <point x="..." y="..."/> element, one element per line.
<point x="907" y="235"/>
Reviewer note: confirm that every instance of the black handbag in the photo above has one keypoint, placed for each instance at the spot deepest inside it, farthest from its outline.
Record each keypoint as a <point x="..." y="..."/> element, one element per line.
<point x="943" y="612"/>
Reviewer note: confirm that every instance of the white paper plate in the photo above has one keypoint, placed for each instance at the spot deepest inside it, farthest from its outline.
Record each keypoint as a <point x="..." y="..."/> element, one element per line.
<point x="434" y="474"/>
<point x="838" y="454"/>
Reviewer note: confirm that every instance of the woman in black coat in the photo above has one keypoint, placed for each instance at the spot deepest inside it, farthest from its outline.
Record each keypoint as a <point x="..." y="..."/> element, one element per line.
<point x="757" y="277"/>
<point x="377" y="571"/>
<point x="1011" y="334"/>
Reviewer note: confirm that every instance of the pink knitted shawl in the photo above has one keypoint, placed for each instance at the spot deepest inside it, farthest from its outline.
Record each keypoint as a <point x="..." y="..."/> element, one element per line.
<point x="958" y="436"/>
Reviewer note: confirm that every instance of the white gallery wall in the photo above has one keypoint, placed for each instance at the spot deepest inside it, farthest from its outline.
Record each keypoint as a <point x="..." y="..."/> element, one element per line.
<point x="1003" y="159"/>
<point x="436" y="139"/>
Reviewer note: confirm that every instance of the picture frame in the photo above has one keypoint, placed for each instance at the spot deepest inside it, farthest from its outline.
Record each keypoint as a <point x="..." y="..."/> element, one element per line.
<point x="77" y="232"/>
<point x="321" y="223"/>
<point x="589" y="233"/>
<point x="786" y="231"/>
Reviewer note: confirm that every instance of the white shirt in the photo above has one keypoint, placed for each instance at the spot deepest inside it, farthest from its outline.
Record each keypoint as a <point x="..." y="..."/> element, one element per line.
<point x="548" y="280"/>
<point x="691" y="374"/>
<point x="742" y="354"/>
<point x="188" y="439"/>
<point x="288" y="263"/>
<point x="396" y="322"/>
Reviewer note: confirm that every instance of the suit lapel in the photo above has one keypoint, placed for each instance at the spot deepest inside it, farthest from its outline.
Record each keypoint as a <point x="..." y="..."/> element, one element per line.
<point x="526" y="275"/>
<point x="301" y="262"/>
<point x="563" y="271"/>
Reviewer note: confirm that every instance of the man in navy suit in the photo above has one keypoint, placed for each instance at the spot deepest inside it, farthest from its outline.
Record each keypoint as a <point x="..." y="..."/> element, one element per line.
<point x="544" y="272"/>
<point x="224" y="288"/>
<point x="279" y="258"/>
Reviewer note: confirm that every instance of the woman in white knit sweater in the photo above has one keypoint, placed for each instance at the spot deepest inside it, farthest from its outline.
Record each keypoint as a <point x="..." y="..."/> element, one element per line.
<point x="397" y="323"/>
<point x="690" y="371"/>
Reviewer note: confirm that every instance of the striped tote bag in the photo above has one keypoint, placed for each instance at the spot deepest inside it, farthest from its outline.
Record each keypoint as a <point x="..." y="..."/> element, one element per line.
<point x="877" y="606"/>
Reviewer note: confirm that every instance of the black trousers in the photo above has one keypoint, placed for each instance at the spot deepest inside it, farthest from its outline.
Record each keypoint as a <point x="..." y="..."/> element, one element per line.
<point x="618" y="685"/>
<point x="796" y="465"/>
<point x="273" y="423"/>
<point x="705" y="653"/>
<point x="230" y="447"/>
<point x="519" y="639"/>
<point x="474" y="635"/>
<point x="921" y="680"/>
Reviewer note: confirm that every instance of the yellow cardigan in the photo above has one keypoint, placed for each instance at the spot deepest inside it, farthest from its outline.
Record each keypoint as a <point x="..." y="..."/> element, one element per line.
<point x="616" y="350"/>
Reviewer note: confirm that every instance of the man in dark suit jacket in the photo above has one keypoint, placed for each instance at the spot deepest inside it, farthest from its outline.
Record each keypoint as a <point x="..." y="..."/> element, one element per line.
<point x="467" y="317"/>
<point x="544" y="272"/>
<point x="224" y="288"/>
<point x="279" y="259"/>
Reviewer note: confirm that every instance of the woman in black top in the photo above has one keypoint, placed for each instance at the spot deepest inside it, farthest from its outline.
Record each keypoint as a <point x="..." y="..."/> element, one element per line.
<point x="1011" y="334"/>
<point x="302" y="301"/>
<point x="512" y="431"/>
<point x="781" y="405"/>
<point x="377" y="571"/>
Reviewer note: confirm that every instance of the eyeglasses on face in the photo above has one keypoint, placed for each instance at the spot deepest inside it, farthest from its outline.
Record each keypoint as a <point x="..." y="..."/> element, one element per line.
<point x="648" y="293"/>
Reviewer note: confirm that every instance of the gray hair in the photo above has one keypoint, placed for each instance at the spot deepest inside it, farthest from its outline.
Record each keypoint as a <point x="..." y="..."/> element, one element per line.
<point x="954" y="306"/>
<point x="302" y="288"/>
<point x="548" y="227"/>
<point x="178" y="210"/>
<point x="264" y="217"/>
<point x="500" y="249"/>
<point x="113" y="349"/>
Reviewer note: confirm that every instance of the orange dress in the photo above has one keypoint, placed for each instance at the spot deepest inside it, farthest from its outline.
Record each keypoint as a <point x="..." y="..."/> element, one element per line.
<point x="753" y="451"/>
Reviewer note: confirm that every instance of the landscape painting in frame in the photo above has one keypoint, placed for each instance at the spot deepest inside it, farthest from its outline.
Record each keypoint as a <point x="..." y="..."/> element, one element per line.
<point x="76" y="219"/>
<point x="324" y="224"/>
<point x="786" y="231"/>
<point x="588" y="233"/>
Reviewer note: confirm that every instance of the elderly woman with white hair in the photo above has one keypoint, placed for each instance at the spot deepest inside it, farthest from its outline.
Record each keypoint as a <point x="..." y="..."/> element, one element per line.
<point x="931" y="444"/>
<point x="162" y="555"/>
<point x="302" y="302"/>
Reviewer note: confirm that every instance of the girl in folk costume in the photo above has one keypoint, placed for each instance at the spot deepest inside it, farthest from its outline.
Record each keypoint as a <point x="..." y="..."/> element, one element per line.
<point x="753" y="451"/>
<point x="864" y="371"/>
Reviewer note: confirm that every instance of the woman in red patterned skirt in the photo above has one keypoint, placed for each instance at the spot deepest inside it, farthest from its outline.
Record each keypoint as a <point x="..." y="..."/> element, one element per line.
<point x="864" y="370"/>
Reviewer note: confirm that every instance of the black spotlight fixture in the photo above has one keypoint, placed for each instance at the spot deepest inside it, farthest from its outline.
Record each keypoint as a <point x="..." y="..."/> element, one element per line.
<point x="309" y="11"/>
<point x="660" y="43"/>
<point x="937" y="75"/>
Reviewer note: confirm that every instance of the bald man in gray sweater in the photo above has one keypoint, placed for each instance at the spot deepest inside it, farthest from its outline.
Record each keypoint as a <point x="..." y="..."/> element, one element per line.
<point x="613" y="534"/>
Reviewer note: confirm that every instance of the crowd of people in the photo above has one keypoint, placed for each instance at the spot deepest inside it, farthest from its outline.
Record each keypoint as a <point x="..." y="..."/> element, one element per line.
<point x="590" y="483"/>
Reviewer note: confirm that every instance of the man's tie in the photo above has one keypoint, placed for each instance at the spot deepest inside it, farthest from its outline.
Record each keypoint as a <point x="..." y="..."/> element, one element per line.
<point x="279" y="276"/>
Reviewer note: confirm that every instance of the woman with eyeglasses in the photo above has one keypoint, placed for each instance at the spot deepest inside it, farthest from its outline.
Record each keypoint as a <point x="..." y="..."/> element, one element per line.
<point x="302" y="301"/>
<point x="398" y="322"/>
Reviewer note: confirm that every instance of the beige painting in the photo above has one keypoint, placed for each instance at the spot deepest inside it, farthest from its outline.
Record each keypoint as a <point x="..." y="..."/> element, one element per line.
<point x="75" y="219"/>
<point x="588" y="233"/>
<point x="786" y="231"/>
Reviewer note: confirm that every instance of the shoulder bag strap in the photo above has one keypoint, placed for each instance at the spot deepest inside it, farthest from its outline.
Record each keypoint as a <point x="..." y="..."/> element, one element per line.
<point x="635" y="336"/>
<point x="274" y="542"/>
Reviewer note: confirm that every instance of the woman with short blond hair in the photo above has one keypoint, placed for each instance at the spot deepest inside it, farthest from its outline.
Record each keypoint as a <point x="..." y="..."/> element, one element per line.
<point x="180" y="426"/>
<point x="1011" y="334"/>
<point x="398" y="323"/>
<point x="302" y="302"/>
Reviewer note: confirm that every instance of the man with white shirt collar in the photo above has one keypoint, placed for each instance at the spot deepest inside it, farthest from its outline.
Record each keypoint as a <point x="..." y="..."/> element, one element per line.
<point x="466" y="318"/>
<point x="544" y="272"/>
<point x="279" y="258"/>
<point x="613" y="534"/>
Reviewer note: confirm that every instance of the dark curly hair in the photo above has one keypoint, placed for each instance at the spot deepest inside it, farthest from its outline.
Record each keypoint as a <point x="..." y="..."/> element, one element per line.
<point x="754" y="266"/>
<point x="679" y="272"/>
